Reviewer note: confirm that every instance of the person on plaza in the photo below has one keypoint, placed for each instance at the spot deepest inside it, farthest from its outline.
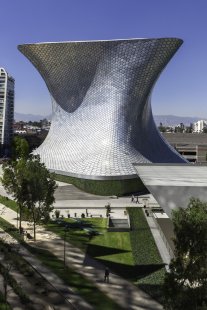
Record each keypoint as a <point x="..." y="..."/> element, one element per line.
<point x="106" y="275"/>
<point x="137" y="201"/>
<point x="132" y="199"/>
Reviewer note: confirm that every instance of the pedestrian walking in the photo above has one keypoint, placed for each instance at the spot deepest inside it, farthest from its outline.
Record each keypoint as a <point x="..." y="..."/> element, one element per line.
<point x="106" y="275"/>
<point x="137" y="201"/>
<point x="132" y="199"/>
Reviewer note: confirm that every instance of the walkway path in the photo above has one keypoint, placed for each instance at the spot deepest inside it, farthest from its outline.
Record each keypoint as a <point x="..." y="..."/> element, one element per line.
<point x="120" y="290"/>
<point x="68" y="299"/>
<point x="12" y="297"/>
<point x="159" y="241"/>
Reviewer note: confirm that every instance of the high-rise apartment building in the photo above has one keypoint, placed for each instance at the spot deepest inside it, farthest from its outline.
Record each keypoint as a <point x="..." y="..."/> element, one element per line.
<point x="6" y="110"/>
<point x="199" y="126"/>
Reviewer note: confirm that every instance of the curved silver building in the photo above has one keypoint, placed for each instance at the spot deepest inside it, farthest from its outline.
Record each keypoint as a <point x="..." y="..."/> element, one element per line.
<point x="102" y="120"/>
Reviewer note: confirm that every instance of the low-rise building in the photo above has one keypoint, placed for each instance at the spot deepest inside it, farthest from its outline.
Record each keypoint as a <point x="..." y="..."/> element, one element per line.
<point x="191" y="146"/>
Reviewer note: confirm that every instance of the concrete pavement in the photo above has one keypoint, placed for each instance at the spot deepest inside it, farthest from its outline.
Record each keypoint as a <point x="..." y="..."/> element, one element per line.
<point x="121" y="291"/>
<point x="73" y="201"/>
<point x="71" y="300"/>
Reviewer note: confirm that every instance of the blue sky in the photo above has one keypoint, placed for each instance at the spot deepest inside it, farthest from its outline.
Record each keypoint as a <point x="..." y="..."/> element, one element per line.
<point x="181" y="88"/>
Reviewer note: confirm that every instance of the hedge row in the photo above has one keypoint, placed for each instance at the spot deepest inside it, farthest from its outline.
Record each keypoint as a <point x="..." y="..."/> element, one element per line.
<point x="144" y="249"/>
<point x="104" y="187"/>
<point x="151" y="270"/>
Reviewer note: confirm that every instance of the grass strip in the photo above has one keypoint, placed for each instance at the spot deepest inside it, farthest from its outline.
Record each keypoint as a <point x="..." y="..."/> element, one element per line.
<point x="9" y="203"/>
<point x="3" y="304"/>
<point x="79" y="283"/>
<point x="16" y="259"/>
<point x="151" y="270"/>
<point x="13" y="283"/>
<point x="144" y="249"/>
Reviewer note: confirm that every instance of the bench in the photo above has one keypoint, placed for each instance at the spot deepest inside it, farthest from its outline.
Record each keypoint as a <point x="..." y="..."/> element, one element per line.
<point x="96" y="215"/>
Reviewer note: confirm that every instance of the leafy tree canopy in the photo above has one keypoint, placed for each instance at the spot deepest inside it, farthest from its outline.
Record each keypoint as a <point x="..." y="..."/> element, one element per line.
<point x="31" y="184"/>
<point x="20" y="148"/>
<point x="186" y="283"/>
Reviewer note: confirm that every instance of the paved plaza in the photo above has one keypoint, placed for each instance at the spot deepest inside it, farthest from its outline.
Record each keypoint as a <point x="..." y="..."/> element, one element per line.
<point x="120" y="290"/>
<point x="70" y="199"/>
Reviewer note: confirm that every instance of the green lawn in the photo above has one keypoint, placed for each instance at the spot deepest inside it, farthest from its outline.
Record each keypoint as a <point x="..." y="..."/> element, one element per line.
<point x="133" y="255"/>
<point x="109" y="247"/>
<point x="72" y="278"/>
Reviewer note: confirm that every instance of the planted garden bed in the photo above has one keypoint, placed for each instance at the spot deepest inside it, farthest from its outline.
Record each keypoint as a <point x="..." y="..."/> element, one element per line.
<point x="150" y="267"/>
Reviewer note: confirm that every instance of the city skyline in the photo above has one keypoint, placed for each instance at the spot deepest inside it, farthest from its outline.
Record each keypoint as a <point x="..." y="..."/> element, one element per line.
<point x="181" y="89"/>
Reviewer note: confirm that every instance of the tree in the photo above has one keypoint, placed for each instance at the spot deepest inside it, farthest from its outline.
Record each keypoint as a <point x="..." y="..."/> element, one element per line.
<point x="15" y="183"/>
<point x="12" y="179"/>
<point x="189" y="129"/>
<point x="162" y="128"/>
<point x="40" y="188"/>
<point x="7" y="261"/>
<point x="31" y="185"/>
<point x="108" y="209"/>
<point x="186" y="284"/>
<point x="20" y="148"/>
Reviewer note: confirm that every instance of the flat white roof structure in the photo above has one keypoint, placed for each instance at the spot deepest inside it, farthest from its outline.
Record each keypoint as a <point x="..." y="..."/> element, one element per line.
<point x="172" y="185"/>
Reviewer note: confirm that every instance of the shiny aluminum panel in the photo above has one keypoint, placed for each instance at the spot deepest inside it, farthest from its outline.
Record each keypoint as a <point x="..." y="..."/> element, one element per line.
<point x="102" y="120"/>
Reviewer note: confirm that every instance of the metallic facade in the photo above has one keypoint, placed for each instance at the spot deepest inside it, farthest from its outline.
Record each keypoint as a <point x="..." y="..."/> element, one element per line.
<point x="102" y="120"/>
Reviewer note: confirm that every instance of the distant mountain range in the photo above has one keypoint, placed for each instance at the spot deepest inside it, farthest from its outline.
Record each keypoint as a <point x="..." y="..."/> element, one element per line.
<point x="29" y="117"/>
<point x="166" y="120"/>
<point x="172" y="120"/>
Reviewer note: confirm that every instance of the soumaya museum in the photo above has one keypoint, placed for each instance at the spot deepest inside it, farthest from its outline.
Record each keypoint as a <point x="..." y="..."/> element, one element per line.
<point x="102" y="121"/>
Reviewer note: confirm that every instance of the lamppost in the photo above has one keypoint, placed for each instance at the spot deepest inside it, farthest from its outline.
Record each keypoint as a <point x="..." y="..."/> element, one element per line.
<point x="17" y="218"/>
<point x="64" y="246"/>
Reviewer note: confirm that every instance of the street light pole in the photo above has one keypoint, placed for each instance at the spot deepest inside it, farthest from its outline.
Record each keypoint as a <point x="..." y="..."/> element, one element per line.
<point x="64" y="247"/>
<point x="17" y="218"/>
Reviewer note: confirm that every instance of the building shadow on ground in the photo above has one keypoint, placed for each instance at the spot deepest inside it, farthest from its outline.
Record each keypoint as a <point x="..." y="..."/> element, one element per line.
<point x="95" y="251"/>
<point x="131" y="272"/>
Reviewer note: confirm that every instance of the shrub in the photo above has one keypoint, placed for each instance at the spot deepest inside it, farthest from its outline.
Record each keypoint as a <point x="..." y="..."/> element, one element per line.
<point x="57" y="214"/>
